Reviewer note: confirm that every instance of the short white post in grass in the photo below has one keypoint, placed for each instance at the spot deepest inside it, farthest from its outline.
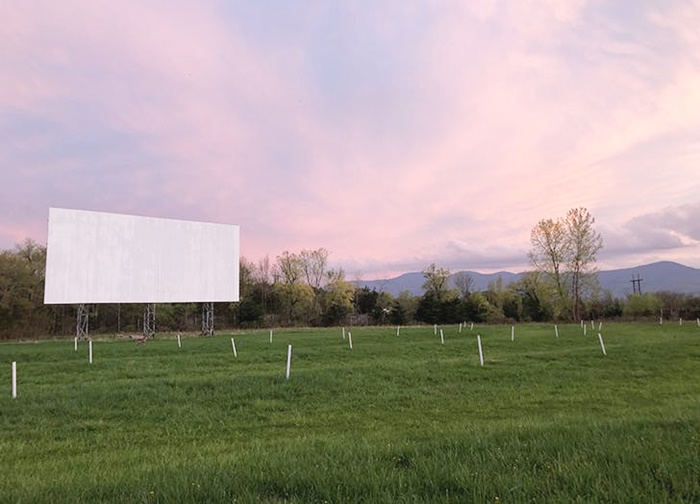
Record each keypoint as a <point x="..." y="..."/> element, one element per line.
<point x="343" y="333"/>
<point x="435" y="329"/>
<point x="481" y="354"/>
<point x="556" y="330"/>
<point x="680" y="321"/>
<point x="512" y="333"/>
<point x="661" y="320"/>
<point x="442" y="337"/>
<point x="14" y="380"/>
<point x="75" y="343"/>
<point x="90" y="351"/>
<point x="698" y="321"/>
<point x="271" y="336"/>
<point x="581" y="323"/>
<point x="460" y="328"/>
<point x="179" y="341"/>
<point x="289" y="360"/>
<point x="398" y="330"/>
<point x="600" y="326"/>
<point x="584" y="329"/>
<point x="602" y="346"/>
<point x="471" y="328"/>
<point x="233" y="347"/>
<point x="592" y="324"/>
<point x="350" y="339"/>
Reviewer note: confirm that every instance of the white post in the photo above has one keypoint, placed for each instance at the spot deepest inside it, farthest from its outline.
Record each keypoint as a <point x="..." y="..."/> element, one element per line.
<point x="343" y="333"/>
<point x="471" y="328"/>
<point x="233" y="346"/>
<point x="442" y="337"/>
<point x="600" y="326"/>
<point x="435" y="329"/>
<point x="398" y="330"/>
<point x="602" y="346"/>
<point x="179" y="341"/>
<point x="661" y="320"/>
<point x="75" y="343"/>
<point x="581" y="323"/>
<point x="270" y="336"/>
<point x="481" y="354"/>
<point x="14" y="380"/>
<point x="512" y="333"/>
<point x="680" y="321"/>
<point x="90" y="351"/>
<point x="698" y="321"/>
<point x="584" y="329"/>
<point x="289" y="360"/>
<point x="556" y="330"/>
<point x="350" y="339"/>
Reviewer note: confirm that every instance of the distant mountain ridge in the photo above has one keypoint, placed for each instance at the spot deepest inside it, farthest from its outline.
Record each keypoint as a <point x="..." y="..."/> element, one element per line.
<point x="658" y="276"/>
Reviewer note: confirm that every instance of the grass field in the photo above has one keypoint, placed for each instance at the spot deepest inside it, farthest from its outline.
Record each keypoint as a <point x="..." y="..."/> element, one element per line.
<point x="396" y="419"/>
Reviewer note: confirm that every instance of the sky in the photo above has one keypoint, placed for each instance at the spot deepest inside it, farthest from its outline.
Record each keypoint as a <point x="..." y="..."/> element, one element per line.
<point x="393" y="134"/>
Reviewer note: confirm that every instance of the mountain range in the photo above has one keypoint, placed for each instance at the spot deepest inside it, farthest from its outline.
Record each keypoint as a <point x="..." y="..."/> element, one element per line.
<point x="658" y="276"/>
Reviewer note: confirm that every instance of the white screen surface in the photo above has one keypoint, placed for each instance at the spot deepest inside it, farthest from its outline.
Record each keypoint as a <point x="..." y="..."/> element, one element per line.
<point x="97" y="257"/>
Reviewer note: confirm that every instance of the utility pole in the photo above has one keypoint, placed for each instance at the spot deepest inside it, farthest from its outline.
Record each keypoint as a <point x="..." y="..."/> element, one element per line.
<point x="637" y="284"/>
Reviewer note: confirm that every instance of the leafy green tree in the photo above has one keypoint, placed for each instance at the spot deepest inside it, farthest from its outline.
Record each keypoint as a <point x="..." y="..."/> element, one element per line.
<point x="398" y="315"/>
<point x="365" y="300"/>
<point x="22" y="274"/>
<point x="535" y="296"/>
<point x="584" y="243"/>
<point x="439" y="304"/>
<point x="642" y="305"/>
<point x="337" y="301"/>
<point x="428" y="310"/>
<point x="565" y="251"/>
<point x="437" y="282"/>
<point x="476" y="308"/>
<point x="605" y="306"/>
<point x="296" y="301"/>
<point x="405" y="306"/>
<point x="548" y="255"/>
<point x="313" y="265"/>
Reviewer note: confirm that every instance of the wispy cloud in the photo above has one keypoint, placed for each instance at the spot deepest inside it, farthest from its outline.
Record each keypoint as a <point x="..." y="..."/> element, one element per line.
<point x="393" y="135"/>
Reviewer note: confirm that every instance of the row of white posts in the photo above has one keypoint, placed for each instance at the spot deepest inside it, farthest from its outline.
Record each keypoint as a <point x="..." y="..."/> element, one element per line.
<point x="349" y="338"/>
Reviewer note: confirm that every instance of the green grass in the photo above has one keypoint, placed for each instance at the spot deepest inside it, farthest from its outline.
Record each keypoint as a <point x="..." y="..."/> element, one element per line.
<point x="396" y="419"/>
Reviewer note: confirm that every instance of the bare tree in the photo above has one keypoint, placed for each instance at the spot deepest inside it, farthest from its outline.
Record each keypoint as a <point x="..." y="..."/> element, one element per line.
<point x="289" y="267"/>
<point x="464" y="283"/>
<point x="313" y="264"/>
<point x="263" y="273"/>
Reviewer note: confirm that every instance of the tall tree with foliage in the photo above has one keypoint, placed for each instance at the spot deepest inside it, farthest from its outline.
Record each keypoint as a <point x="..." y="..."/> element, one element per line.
<point x="549" y="255"/>
<point x="584" y="243"/>
<point x="565" y="251"/>
<point x="439" y="303"/>
<point x="436" y="282"/>
<point x="22" y="273"/>
<point x="337" y="298"/>
<point x="313" y="265"/>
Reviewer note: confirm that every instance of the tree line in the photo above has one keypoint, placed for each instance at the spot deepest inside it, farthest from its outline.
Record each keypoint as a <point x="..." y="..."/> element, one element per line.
<point x="300" y="289"/>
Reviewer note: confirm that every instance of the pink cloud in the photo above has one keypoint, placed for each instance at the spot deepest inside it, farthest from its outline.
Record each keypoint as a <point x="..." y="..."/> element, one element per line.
<point x="482" y="119"/>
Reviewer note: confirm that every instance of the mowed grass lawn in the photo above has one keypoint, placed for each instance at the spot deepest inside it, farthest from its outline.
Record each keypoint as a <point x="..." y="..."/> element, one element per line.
<point x="396" y="419"/>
